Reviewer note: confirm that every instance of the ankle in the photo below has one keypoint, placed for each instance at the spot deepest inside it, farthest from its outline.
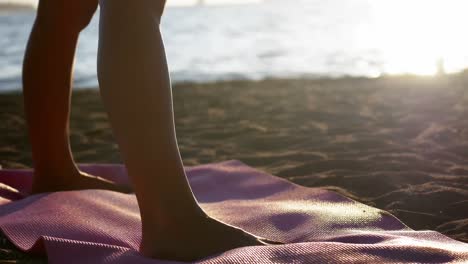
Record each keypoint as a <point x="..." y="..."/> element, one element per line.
<point x="136" y="9"/>
<point x="161" y="222"/>
<point x="55" y="171"/>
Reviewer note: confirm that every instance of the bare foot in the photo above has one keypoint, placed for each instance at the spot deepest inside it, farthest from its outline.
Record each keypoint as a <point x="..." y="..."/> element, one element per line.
<point x="76" y="180"/>
<point x="194" y="241"/>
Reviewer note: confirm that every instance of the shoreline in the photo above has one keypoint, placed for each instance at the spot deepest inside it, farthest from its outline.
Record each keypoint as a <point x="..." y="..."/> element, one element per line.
<point x="398" y="143"/>
<point x="292" y="78"/>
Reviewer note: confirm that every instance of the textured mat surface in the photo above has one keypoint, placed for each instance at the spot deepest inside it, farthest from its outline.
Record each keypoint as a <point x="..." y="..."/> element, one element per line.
<point x="318" y="226"/>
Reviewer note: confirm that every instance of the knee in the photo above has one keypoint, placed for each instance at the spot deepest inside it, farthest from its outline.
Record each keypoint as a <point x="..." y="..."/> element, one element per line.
<point x="134" y="7"/>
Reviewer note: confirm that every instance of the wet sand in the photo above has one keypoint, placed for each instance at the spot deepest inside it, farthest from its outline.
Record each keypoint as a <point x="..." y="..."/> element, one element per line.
<point x="396" y="143"/>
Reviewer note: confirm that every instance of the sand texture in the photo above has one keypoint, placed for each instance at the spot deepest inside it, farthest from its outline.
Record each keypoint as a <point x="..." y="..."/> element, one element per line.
<point x="396" y="143"/>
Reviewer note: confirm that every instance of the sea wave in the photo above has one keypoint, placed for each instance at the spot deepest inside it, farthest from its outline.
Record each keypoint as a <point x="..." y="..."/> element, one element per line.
<point x="278" y="39"/>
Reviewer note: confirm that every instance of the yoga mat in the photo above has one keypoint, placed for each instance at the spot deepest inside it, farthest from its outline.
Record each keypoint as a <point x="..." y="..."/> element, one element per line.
<point x="316" y="225"/>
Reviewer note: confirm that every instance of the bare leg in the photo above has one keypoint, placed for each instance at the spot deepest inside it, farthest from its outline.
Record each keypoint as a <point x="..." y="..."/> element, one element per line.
<point x="47" y="75"/>
<point x="135" y="87"/>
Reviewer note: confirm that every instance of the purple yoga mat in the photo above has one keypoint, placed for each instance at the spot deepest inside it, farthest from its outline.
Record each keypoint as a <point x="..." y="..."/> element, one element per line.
<point x="317" y="226"/>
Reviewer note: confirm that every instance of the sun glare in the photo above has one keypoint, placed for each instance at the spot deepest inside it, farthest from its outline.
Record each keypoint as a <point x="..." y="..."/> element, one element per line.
<point x="360" y="37"/>
<point x="420" y="37"/>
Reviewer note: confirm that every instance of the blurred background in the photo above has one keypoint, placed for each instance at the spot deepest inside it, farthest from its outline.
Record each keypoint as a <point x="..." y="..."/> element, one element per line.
<point x="212" y="40"/>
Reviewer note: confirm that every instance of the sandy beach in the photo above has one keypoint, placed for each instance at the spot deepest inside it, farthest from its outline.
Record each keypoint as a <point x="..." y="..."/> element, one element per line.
<point x="396" y="143"/>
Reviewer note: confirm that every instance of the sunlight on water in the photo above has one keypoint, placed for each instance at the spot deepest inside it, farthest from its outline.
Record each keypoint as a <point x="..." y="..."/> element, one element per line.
<point x="211" y="40"/>
<point x="414" y="36"/>
<point x="209" y="2"/>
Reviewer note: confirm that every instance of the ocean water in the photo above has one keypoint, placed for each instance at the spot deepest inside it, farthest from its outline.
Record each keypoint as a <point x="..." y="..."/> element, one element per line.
<point x="277" y="38"/>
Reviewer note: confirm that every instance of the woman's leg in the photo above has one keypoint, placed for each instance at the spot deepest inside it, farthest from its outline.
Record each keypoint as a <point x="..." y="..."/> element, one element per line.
<point x="135" y="87"/>
<point x="47" y="77"/>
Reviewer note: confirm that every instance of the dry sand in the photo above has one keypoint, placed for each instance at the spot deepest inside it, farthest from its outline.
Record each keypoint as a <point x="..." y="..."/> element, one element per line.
<point x="396" y="143"/>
